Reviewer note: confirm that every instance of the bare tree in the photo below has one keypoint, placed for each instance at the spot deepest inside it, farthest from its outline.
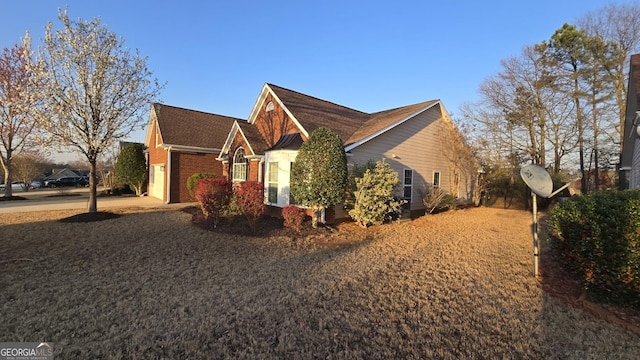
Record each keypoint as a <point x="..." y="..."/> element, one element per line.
<point x="29" y="166"/>
<point x="96" y="89"/>
<point x="17" y="104"/>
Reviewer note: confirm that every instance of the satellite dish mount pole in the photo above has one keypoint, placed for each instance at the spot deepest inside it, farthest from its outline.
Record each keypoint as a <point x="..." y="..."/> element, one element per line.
<point x="534" y="230"/>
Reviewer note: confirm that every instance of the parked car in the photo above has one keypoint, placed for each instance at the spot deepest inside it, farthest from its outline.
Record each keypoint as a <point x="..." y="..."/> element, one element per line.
<point x="76" y="181"/>
<point x="16" y="185"/>
<point x="36" y="184"/>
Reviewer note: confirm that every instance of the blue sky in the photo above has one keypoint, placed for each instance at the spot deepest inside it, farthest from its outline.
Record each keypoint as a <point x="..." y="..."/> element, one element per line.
<point x="215" y="56"/>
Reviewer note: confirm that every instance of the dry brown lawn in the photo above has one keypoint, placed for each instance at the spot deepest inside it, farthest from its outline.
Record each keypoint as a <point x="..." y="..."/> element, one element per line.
<point x="150" y="284"/>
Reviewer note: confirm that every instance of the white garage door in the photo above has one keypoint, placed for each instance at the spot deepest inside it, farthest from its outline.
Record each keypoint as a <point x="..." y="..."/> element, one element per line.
<point x="156" y="181"/>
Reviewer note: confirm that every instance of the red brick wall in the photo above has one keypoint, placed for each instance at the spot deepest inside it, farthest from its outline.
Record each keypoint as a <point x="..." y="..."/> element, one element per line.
<point x="184" y="165"/>
<point x="275" y="123"/>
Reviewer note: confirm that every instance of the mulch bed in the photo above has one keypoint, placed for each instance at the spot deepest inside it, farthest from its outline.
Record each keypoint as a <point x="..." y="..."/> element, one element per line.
<point x="90" y="217"/>
<point x="12" y="198"/>
<point x="561" y="285"/>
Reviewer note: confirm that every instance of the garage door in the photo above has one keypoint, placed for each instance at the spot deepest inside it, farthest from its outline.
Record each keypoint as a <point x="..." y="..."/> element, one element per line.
<point x="156" y="181"/>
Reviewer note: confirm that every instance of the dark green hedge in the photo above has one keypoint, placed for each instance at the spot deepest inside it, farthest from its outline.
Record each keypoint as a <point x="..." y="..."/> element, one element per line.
<point x="597" y="238"/>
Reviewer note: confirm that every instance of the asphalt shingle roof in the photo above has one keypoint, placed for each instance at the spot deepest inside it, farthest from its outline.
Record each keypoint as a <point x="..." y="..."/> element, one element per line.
<point x="351" y="125"/>
<point x="184" y="127"/>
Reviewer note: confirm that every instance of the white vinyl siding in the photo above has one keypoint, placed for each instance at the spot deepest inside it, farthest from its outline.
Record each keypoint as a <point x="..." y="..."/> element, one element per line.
<point x="416" y="145"/>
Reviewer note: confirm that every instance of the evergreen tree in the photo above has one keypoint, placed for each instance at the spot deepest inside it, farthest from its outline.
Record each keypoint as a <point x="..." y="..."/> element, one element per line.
<point x="131" y="167"/>
<point x="319" y="174"/>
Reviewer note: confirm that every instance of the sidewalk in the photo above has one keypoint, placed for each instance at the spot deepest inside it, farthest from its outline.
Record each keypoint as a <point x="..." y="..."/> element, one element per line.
<point x="68" y="199"/>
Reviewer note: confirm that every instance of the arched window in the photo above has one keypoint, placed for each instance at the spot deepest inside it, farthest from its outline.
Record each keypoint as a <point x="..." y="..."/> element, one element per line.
<point x="269" y="106"/>
<point x="239" y="165"/>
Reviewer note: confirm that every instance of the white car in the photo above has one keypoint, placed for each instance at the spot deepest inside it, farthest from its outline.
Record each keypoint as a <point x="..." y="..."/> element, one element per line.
<point x="16" y="185"/>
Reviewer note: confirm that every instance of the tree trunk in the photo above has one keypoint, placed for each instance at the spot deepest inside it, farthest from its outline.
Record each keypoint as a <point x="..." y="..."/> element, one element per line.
<point x="93" y="200"/>
<point x="6" y="166"/>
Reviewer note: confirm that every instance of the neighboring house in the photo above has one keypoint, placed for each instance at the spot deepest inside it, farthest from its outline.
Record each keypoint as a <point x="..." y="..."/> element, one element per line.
<point x="412" y="139"/>
<point x="66" y="172"/>
<point x="181" y="142"/>
<point x="630" y="161"/>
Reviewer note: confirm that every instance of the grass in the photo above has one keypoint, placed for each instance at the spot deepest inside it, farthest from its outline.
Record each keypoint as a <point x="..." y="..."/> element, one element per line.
<point x="150" y="284"/>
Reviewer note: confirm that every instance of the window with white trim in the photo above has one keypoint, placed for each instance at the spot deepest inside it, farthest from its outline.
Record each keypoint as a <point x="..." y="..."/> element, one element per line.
<point x="272" y="183"/>
<point x="436" y="179"/>
<point x="407" y="184"/>
<point x="269" y="106"/>
<point x="239" y="165"/>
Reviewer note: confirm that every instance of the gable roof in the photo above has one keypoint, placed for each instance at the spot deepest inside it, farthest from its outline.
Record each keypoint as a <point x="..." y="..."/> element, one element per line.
<point x="354" y="127"/>
<point x="313" y="113"/>
<point x="187" y="128"/>
<point x="384" y="120"/>
<point x="249" y="133"/>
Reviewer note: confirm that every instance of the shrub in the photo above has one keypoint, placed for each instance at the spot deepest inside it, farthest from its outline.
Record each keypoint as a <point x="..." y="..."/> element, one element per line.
<point x="374" y="200"/>
<point x="213" y="196"/>
<point x="192" y="181"/>
<point x="357" y="171"/>
<point x="293" y="217"/>
<point x="131" y="168"/>
<point x="437" y="200"/>
<point x="597" y="238"/>
<point x="250" y="197"/>
<point x="319" y="174"/>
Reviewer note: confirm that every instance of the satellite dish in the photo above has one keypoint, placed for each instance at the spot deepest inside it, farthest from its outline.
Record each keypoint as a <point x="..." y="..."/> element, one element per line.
<point x="537" y="179"/>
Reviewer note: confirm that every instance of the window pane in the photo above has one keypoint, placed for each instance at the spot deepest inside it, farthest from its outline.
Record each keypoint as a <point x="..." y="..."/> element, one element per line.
<point x="272" y="182"/>
<point x="273" y="194"/>
<point x="273" y="172"/>
<point x="436" y="179"/>
<point x="407" y="192"/>
<point x="408" y="176"/>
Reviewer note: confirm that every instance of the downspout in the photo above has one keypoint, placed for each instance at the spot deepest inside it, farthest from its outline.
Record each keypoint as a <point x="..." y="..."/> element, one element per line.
<point x="167" y="173"/>
<point x="260" y="165"/>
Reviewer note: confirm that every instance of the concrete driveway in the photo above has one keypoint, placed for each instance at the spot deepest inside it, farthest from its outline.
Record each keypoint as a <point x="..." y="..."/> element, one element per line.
<point x="71" y="198"/>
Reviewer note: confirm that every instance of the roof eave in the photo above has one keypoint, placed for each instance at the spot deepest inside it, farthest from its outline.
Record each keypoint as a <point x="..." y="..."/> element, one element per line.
<point x="391" y="126"/>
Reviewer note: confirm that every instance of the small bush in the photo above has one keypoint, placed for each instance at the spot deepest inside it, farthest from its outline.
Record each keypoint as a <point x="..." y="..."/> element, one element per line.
<point x="192" y="181"/>
<point x="374" y="200"/>
<point x="214" y="196"/>
<point x="250" y="197"/>
<point x="293" y="217"/>
<point x="597" y="238"/>
<point x="438" y="200"/>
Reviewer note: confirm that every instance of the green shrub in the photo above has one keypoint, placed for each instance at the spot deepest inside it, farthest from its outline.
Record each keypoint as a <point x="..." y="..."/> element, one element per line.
<point x="374" y="199"/>
<point x="192" y="181"/>
<point x="319" y="174"/>
<point x="293" y="217"/>
<point x="597" y="238"/>
<point x="357" y="171"/>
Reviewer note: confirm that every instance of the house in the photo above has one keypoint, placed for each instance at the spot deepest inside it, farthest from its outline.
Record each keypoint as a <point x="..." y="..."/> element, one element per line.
<point x="415" y="140"/>
<point x="181" y="142"/>
<point x="630" y="159"/>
